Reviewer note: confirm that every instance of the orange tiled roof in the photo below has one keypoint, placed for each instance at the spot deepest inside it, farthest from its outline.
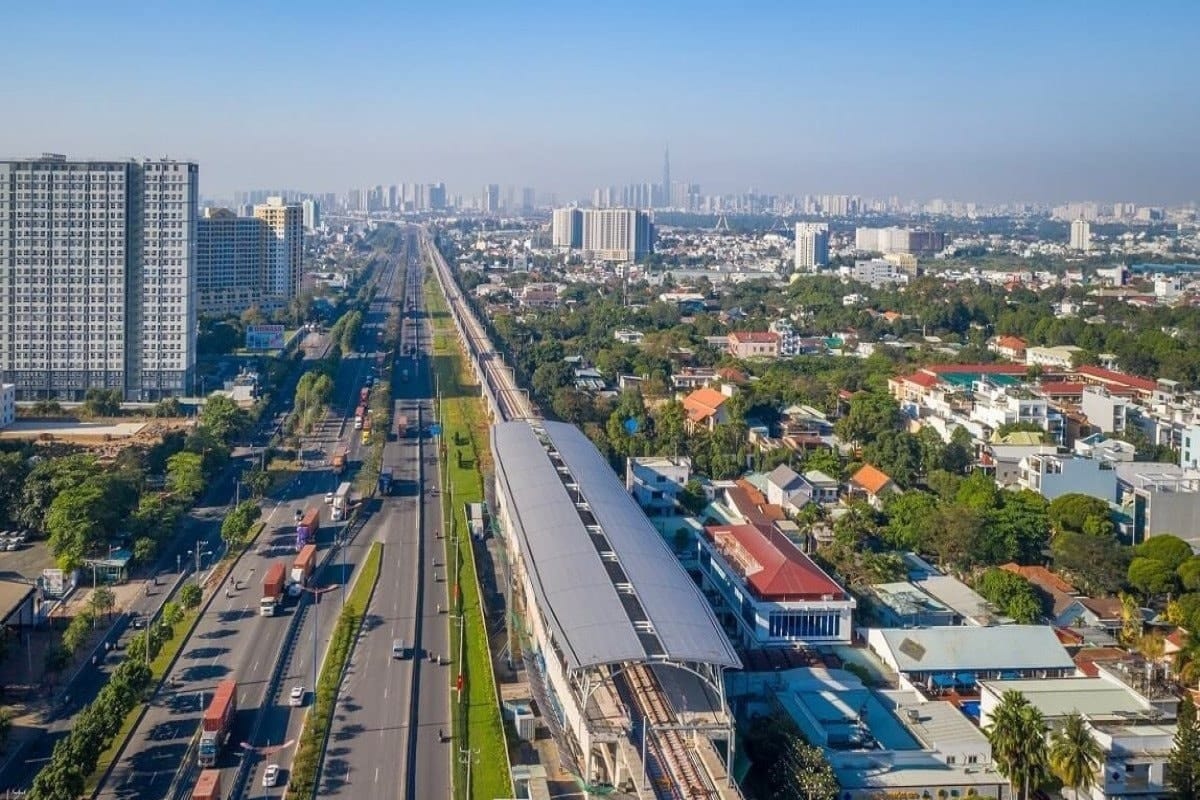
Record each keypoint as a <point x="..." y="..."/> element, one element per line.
<point x="1040" y="576"/>
<point x="872" y="479"/>
<point x="703" y="403"/>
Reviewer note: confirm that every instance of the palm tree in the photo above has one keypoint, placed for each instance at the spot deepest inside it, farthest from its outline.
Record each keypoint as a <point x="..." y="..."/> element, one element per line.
<point x="1074" y="754"/>
<point x="1017" y="734"/>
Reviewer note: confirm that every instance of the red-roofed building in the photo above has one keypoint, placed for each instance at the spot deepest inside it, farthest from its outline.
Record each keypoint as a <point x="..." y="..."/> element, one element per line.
<point x="774" y="593"/>
<point x="705" y="408"/>
<point x="873" y="484"/>
<point x="754" y="344"/>
<point x="1010" y="347"/>
<point x="1143" y="387"/>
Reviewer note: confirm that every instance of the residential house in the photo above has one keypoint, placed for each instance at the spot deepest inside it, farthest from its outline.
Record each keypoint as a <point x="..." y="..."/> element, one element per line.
<point x="786" y="489"/>
<point x="1053" y="475"/>
<point x="1060" y="357"/>
<point x="1107" y="411"/>
<point x="1099" y="447"/>
<point x="823" y="489"/>
<point x="689" y="378"/>
<point x="656" y="481"/>
<point x="903" y="605"/>
<point x="1159" y="498"/>
<point x="627" y="336"/>
<point x="1011" y="348"/>
<point x="872" y="484"/>
<point x="541" y="295"/>
<point x="753" y="344"/>
<point x="706" y="407"/>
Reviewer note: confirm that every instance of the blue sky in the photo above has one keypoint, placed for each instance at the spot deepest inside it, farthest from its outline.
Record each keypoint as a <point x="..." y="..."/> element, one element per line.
<point x="1047" y="100"/>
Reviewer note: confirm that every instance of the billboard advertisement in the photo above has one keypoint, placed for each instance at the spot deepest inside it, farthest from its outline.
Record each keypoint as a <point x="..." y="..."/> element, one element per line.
<point x="264" y="337"/>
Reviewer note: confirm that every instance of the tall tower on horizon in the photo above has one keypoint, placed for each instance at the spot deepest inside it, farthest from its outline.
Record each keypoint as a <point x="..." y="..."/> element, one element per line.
<point x="665" y="197"/>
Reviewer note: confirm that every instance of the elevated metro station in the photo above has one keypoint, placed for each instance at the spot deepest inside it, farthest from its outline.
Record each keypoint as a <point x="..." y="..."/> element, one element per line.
<point x="625" y="656"/>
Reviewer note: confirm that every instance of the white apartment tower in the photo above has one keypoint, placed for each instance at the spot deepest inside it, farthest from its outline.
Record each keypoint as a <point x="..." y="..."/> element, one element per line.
<point x="231" y="261"/>
<point x="97" y="277"/>
<point x="812" y="246"/>
<point x="285" y="251"/>
<point x="566" y="228"/>
<point x="1081" y="235"/>
<point x="617" y="234"/>
<point x="311" y="213"/>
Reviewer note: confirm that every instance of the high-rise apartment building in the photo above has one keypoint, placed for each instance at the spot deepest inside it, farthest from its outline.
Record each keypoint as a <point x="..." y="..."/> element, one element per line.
<point x="617" y="234"/>
<point x="812" y="246"/>
<point x="310" y="212"/>
<point x="528" y="202"/>
<point x="898" y="240"/>
<point x="436" y="192"/>
<point x="491" y="199"/>
<point x="566" y="228"/>
<point x="1081" y="235"/>
<point x="285" y="247"/>
<point x="231" y="261"/>
<point x="97" y="277"/>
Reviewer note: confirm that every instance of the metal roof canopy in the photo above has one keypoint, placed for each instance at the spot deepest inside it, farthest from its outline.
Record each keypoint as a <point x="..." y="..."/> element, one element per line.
<point x="608" y="585"/>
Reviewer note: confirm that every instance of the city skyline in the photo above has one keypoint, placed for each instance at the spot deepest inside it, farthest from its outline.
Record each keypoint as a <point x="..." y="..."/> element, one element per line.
<point x="1023" y="102"/>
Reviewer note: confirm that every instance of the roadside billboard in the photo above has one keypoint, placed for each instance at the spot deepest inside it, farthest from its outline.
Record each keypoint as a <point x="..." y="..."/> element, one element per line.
<point x="264" y="337"/>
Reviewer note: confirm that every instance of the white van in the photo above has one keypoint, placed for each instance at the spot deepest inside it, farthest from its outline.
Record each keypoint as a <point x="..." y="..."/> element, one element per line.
<point x="398" y="649"/>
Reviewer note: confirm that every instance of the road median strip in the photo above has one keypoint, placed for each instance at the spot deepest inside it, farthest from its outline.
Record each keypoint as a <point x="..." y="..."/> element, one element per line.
<point x="477" y="722"/>
<point x="306" y="766"/>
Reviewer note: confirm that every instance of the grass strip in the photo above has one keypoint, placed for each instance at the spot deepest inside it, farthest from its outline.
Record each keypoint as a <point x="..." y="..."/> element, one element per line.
<point x="307" y="764"/>
<point x="158" y="668"/>
<point x="476" y="718"/>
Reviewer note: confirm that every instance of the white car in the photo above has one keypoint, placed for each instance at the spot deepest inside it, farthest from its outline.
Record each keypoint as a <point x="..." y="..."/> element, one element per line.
<point x="296" y="696"/>
<point x="329" y="498"/>
<point x="271" y="776"/>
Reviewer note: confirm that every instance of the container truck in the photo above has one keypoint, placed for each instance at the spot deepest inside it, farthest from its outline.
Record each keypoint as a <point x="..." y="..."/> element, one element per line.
<point x="272" y="594"/>
<point x="360" y="414"/>
<point x="216" y="723"/>
<point x="364" y="394"/>
<point x="338" y="460"/>
<point x="401" y="425"/>
<point x="385" y="480"/>
<point x="307" y="527"/>
<point x="304" y="564"/>
<point x="208" y="785"/>
<point x="341" y="501"/>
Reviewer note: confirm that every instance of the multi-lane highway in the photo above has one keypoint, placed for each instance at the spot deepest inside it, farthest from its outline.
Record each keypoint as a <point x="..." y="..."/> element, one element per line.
<point x="264" y="654"/>
<point x="387" y="739"/>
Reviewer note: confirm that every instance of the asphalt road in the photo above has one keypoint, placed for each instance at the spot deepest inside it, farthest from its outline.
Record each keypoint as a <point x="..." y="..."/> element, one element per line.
<point x="385" y="742"/>
<point x="232" y="640"/>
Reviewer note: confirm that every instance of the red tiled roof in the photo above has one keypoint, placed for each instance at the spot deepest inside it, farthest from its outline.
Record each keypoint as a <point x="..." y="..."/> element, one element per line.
<point x="922" y="378"/>
<point x="1087" y="658"/>
<point x="871" y="479"/>
<point x="1120" y="378"/>
<point x="772" y="565"/>
<point x="757" y="337"/>
<point x="1061" y="387"/>
<point x="1103" y="607"/>
<point x="703" y="403"/>
<point x="1178" y="637"/>
<point x="1040" y="576"/>
<point x="1068" y="638"/>
<point x="1011" y="342"/>
<point x="750" y="503"/>
<point x="999" y="369"/>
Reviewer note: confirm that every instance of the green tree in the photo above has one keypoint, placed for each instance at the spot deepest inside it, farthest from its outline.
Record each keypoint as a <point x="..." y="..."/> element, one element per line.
<point x="1095" y="564"/>
<point x="1074" y="755"/>
<point x="75" y="525"/>
<point x="1183" y="765"/>
<point x="13" y="471"/>
<point x="956" y="535"/>
<point x="1152" y="577"/>
<point x="1170" y="550"/>
<point x="102" y="402"/>
<point x="223" y="418"/>
<point x="185" y="475"/>
<point x="1019" y="529"/>
<point x="1012" y="594"/>
<point x="550" y="376"/>
<point x="898" y="453"/>
<point x="6" y="725"/>
<point x="144" y="550"/>
<point x="56" y="658"/>
<point x="102" y="601"/>
<point x="1189" y="574"/>
<point x="870" y="414"/>
<point x="47" y="478"/>
<point x="257" y="481"/>
<point x="239" y="521"/>
<point x="803" y="773"/>
<point x="978" y="491"/>
<point x="908" y="517"/>
<point x="1017" y="734"/>
<point x="190" y="596"/>
<point x="1080" y="513"/>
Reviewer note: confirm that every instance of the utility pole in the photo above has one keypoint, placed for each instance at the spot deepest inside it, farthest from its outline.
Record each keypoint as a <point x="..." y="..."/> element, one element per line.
<point x="467" y="756"/>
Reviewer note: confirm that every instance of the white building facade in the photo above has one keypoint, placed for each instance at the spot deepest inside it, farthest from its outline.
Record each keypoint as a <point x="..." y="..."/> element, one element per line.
<point x="812" y="246"/>
<point x="285" y="247"/>
<point x="97" y="277"/>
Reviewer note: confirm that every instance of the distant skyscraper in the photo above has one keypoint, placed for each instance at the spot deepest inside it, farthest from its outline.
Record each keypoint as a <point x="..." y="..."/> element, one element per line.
<point x="491" y="199"/>
<point x="566" y="229"/>
<point x="437" y="196"/>
<point x="311" y="213"/>
<point x="617" y="234"/>
<point x="285" y="252"/>
<point x="97" y="277"/>
<point x="1081" y="236"/>
<point x="666" y="179"/>
<point x="528" y="201"/>
<point x="231" y="261"/>
<point x="812" y="246"/>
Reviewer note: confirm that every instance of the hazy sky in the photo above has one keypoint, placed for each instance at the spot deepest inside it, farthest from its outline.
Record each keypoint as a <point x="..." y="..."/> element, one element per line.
<point x="1042" y="100"/>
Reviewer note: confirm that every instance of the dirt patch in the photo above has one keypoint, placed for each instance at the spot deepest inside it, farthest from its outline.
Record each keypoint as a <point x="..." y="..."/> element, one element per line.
<point x="106" y="438"/>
